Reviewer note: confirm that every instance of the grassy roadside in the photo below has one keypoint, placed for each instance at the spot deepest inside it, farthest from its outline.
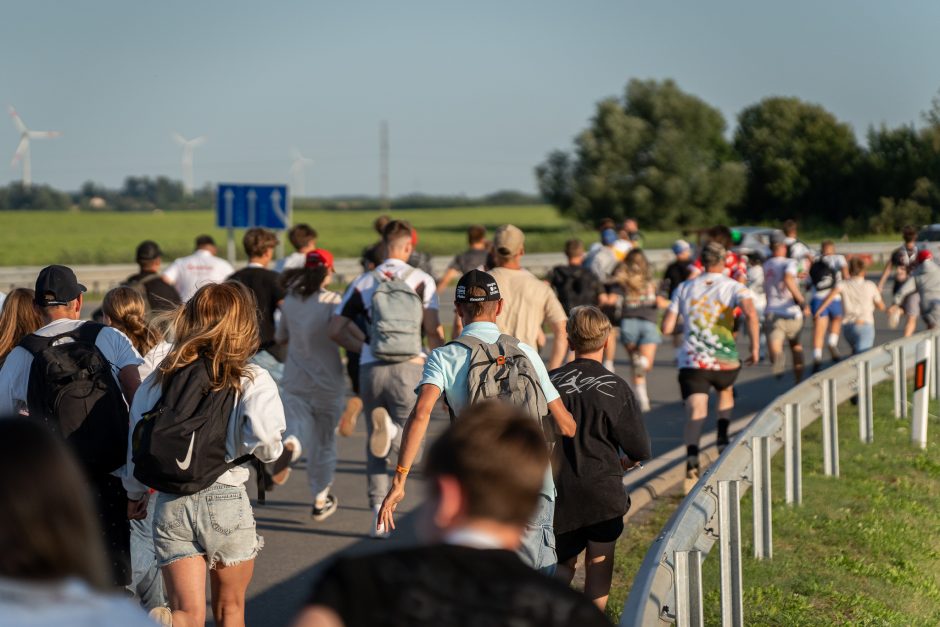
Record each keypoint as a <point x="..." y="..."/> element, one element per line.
<point x="863" y="549"/>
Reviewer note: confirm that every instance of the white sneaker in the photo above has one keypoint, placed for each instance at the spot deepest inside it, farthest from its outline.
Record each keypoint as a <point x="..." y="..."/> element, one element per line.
<point x="378" y="532"/>
<point x="383" y="432"/>
<point x="161" y="616"/>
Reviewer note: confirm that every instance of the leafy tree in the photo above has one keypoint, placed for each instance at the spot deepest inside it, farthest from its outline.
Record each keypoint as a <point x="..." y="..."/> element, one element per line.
<point x="915" y="209"/>
<point x="802" y="162"/>
<point x="658" y="155"/>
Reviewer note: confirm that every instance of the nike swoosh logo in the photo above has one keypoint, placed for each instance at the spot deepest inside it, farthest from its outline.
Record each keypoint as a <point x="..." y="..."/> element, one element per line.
<point x="184" y="465"/>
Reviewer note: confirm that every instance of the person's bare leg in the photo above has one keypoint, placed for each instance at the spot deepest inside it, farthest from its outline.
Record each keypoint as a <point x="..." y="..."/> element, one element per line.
<point x="644" y="357"/>
<point x="598" y="571"/>
<point x="910" y="325"/>
<point x="797" y="350"/>
<point x="229" y="586"/>
<point x="610" y="351"/>
<point x="776" y="355"/>
<point x="185" y="582"/>
<point x="696" y="409"/>
<point x="820" y="326"/>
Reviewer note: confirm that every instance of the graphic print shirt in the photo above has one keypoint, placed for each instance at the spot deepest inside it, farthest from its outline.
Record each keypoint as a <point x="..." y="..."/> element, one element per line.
<point x="707" y="305"/>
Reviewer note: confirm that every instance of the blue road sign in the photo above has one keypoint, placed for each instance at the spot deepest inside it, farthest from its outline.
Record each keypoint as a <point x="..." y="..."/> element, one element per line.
<point x="245" y="206"/>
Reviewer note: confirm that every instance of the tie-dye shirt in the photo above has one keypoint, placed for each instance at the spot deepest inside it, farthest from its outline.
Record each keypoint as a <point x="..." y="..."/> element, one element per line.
<point x="706" y="304"/>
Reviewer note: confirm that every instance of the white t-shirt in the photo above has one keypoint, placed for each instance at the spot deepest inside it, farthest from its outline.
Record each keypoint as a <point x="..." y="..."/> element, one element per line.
<point x="153" y="358"/>
<point x="255" y="426"/>
<point x="291" y="262"/>
<point x="14" y="376"/>
<point x="780" y="301"/>
<point x="313" y="366"/>
<point x="358" y="297"/>
<point x="188" y="274"/>
<point x="706" y="304"/>
<point x="71" y="602"/>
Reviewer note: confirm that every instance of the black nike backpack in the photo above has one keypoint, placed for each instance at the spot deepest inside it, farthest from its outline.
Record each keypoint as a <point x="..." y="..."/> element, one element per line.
<point x="71" y="389"/>
<point x="178" y="446"/>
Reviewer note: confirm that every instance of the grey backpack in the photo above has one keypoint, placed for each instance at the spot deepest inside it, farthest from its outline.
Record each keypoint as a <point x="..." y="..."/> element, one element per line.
<point x="502" y="371"/>
<point x="395" y="319"/>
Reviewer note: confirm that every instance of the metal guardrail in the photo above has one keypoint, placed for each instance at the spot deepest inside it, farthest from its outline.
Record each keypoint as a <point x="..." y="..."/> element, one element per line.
<point x="667" y="587"/>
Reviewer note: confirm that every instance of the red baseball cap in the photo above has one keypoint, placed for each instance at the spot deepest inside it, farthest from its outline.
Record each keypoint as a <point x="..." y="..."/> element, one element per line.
<point x="319" y="257"/>
<point x="924" y="255"/>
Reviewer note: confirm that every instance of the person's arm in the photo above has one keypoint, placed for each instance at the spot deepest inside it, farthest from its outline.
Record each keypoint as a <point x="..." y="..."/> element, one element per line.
<point x="879" y="301"/>
<point x="339" y="330"/>
<point x="831" y="296"/>
<point x="669" y="322"/>
<point x="753" y="327"/>
<point x="129" y="378"/>
<point x="449" y="275"/>
<point x="559" y="345"/>
<point x="318" y="616"/>
<point x="884" y="275"/>
<point x="629" y="432"/>
<point x="414" y="432"/>
<point x="789" y="280"/>
<point x="431" y="322"/>
<point x="264" y="423"/>
<point x="563" y="419"/>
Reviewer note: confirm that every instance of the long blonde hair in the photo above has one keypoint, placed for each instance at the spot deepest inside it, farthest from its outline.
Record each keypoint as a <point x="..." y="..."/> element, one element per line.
<point x="634" y="274"/>
<point x="18" y="318"/>
<point x="126" y="311"/>
<point x="219" y="323"/>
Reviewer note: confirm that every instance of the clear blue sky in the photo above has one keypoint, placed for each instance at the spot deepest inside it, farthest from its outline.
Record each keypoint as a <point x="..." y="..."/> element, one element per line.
<point x="476" y="93"/>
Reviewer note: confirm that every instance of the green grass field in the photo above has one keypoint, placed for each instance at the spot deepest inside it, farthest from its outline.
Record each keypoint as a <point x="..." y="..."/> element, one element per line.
<point x="861" y="550"/>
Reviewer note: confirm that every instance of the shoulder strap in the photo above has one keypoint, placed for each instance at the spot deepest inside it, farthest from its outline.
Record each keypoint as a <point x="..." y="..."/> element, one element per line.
<point x="379" y="276"/>
<point x="468" y="341"/>
<point x="88" y="332"/>
<point x="35" y="344"/>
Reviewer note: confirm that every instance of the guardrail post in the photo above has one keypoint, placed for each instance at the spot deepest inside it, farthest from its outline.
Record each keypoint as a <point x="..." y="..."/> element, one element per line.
<point x="865" y="431"/>
<point x="921" y="376"/>
<point x="793" y="454"/>
<point x="729" y="538"/>
<point x="688" y="571"/>
<point x="763" y="522"/>
<point x="900" y="382"/>
<point x="830" y="426"/>
<point x="935" y="372"/>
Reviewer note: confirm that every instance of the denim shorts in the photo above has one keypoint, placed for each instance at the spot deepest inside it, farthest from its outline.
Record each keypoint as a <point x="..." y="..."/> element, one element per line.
<point x="216" y="523"/>
<point x="639" y="332"/>
<point x="832" y="310"/>
<point x="538" y="542"/>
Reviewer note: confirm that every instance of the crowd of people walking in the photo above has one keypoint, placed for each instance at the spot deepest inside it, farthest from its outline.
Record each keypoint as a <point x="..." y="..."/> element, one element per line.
<point x="194" y="376"/>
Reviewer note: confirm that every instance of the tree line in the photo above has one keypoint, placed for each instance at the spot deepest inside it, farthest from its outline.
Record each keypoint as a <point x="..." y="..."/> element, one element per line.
<point x="661" y="155"/>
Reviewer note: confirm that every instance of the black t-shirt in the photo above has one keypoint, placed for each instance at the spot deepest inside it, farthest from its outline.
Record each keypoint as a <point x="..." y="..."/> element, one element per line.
<point x="589" y="475"/>
<point x="160" y="295"/>
<point x="373" y="256"/>
<point x="574" y="286"/>
<point x="268" y="292"/>
<point x="468" y="260"/>
<point x="676" y="273"/>
<point x="449" y="586"/>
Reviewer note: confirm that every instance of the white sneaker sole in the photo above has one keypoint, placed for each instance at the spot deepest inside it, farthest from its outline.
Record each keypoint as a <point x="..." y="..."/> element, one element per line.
<point x="327" y="512"/>
<point x="380" y="442"/>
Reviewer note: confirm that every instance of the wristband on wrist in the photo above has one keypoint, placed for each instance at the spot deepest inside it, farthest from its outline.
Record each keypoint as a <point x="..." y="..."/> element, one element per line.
<point x="402" y="470"/>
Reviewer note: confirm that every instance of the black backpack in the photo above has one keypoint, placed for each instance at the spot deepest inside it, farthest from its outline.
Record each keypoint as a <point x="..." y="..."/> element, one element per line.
<point x="72" y="390"/>
<point x="822" y="275"/>
<point x="574" y="286"/>
<point x="179" y="445"/>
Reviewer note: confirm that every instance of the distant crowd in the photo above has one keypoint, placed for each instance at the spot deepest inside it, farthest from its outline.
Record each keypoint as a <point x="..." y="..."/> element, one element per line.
<point x="138" y="431"/>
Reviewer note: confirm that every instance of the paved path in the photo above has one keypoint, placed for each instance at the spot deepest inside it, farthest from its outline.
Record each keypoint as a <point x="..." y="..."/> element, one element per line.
<point x="295" y="547"/>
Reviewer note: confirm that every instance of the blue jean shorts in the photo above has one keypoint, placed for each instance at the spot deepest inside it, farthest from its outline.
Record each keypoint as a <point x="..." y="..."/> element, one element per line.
<point x="833" y="310"/>
<point x="216" y="523"/>
<point x="639" y="332"/>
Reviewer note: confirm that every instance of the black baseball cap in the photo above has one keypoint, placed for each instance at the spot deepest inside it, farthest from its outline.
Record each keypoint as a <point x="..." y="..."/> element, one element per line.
<point x="57" y="285"/>
<point x="477" y="278"/>
<point x="148" y="250"/>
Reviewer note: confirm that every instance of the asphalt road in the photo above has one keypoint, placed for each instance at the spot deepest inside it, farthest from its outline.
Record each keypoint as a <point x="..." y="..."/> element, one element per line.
<point x="296" y="548"/>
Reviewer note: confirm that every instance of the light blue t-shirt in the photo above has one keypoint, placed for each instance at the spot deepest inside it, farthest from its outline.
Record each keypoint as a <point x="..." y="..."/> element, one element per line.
<point x="446" y="369"/>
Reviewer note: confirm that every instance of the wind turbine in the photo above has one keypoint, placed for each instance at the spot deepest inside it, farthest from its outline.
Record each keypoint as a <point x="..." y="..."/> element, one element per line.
<point x="299" y="164"/>
<point x="22" y="149"/>
<point x="188" y="146"/>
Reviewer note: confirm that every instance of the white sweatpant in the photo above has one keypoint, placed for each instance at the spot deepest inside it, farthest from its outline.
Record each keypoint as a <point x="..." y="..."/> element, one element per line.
<point x="313" y="421"/>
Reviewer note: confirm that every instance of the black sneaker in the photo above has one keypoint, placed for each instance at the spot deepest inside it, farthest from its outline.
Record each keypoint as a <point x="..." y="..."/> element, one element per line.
<point x="691" y="474"/>
<point x="722" y="443"/>
<point x="322" y="513"/>
<point x="817" y="366"/>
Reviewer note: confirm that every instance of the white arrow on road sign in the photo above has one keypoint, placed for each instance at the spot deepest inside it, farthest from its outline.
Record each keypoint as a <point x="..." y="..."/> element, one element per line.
<point x="276" y="206"/>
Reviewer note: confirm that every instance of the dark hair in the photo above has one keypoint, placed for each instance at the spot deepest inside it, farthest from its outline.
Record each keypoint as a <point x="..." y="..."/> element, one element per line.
<point x="204" y="240"/>
<point x="606" y="223"/>
<point x="303" y="282"/>
<point x="721" y="234"/>
<point x="475" y="310"/>
<point x="301" y="234"/>
<point x="258" y="241"/>
<point x="789" y="227"/>
<point x="48" y="531"/>
<point x="396" y="230"/>
<point x="857" y="265"/>
<point x="574" y="248"/>
<point x="379" y="223"/>
<point x="909" y="233"/>
<point x="498" y="455"/>
<point x="476" y="234"/>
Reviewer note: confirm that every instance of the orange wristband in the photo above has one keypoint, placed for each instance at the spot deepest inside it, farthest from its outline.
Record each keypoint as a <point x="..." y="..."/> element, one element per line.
<point x="402" y="470"/>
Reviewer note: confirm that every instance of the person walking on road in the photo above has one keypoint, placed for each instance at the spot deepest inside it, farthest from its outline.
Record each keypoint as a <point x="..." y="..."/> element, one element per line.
<point x="574" y="283"/>
<point x="825" y="273"/>
<point x="528" y="303"/>
<point x="303" y="238"/>
<point x="159" y="296"/>
<point x="783" y="315"/>
<point x="188" y="274"/>
<point x="474" y="258"/>
<point x="206" y="387"/>
<point x="484" y="475"/>
<point x="483" y="348"/>
<point x="906" y="298"/>
<point x="398" y="302"/>
<point x="860" y="297"/>
<point x="313" y="390"/>
<point x="591" y="502"/>
<point x="708" y="357"/>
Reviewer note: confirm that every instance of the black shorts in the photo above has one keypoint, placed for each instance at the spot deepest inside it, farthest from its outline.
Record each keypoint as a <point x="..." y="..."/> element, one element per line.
<point x="700" y="381"/>
<point x="571" y="543"/>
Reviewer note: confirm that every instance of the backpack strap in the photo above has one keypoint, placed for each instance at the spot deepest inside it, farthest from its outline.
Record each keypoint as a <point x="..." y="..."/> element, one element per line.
<point x="87" y="333"/>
